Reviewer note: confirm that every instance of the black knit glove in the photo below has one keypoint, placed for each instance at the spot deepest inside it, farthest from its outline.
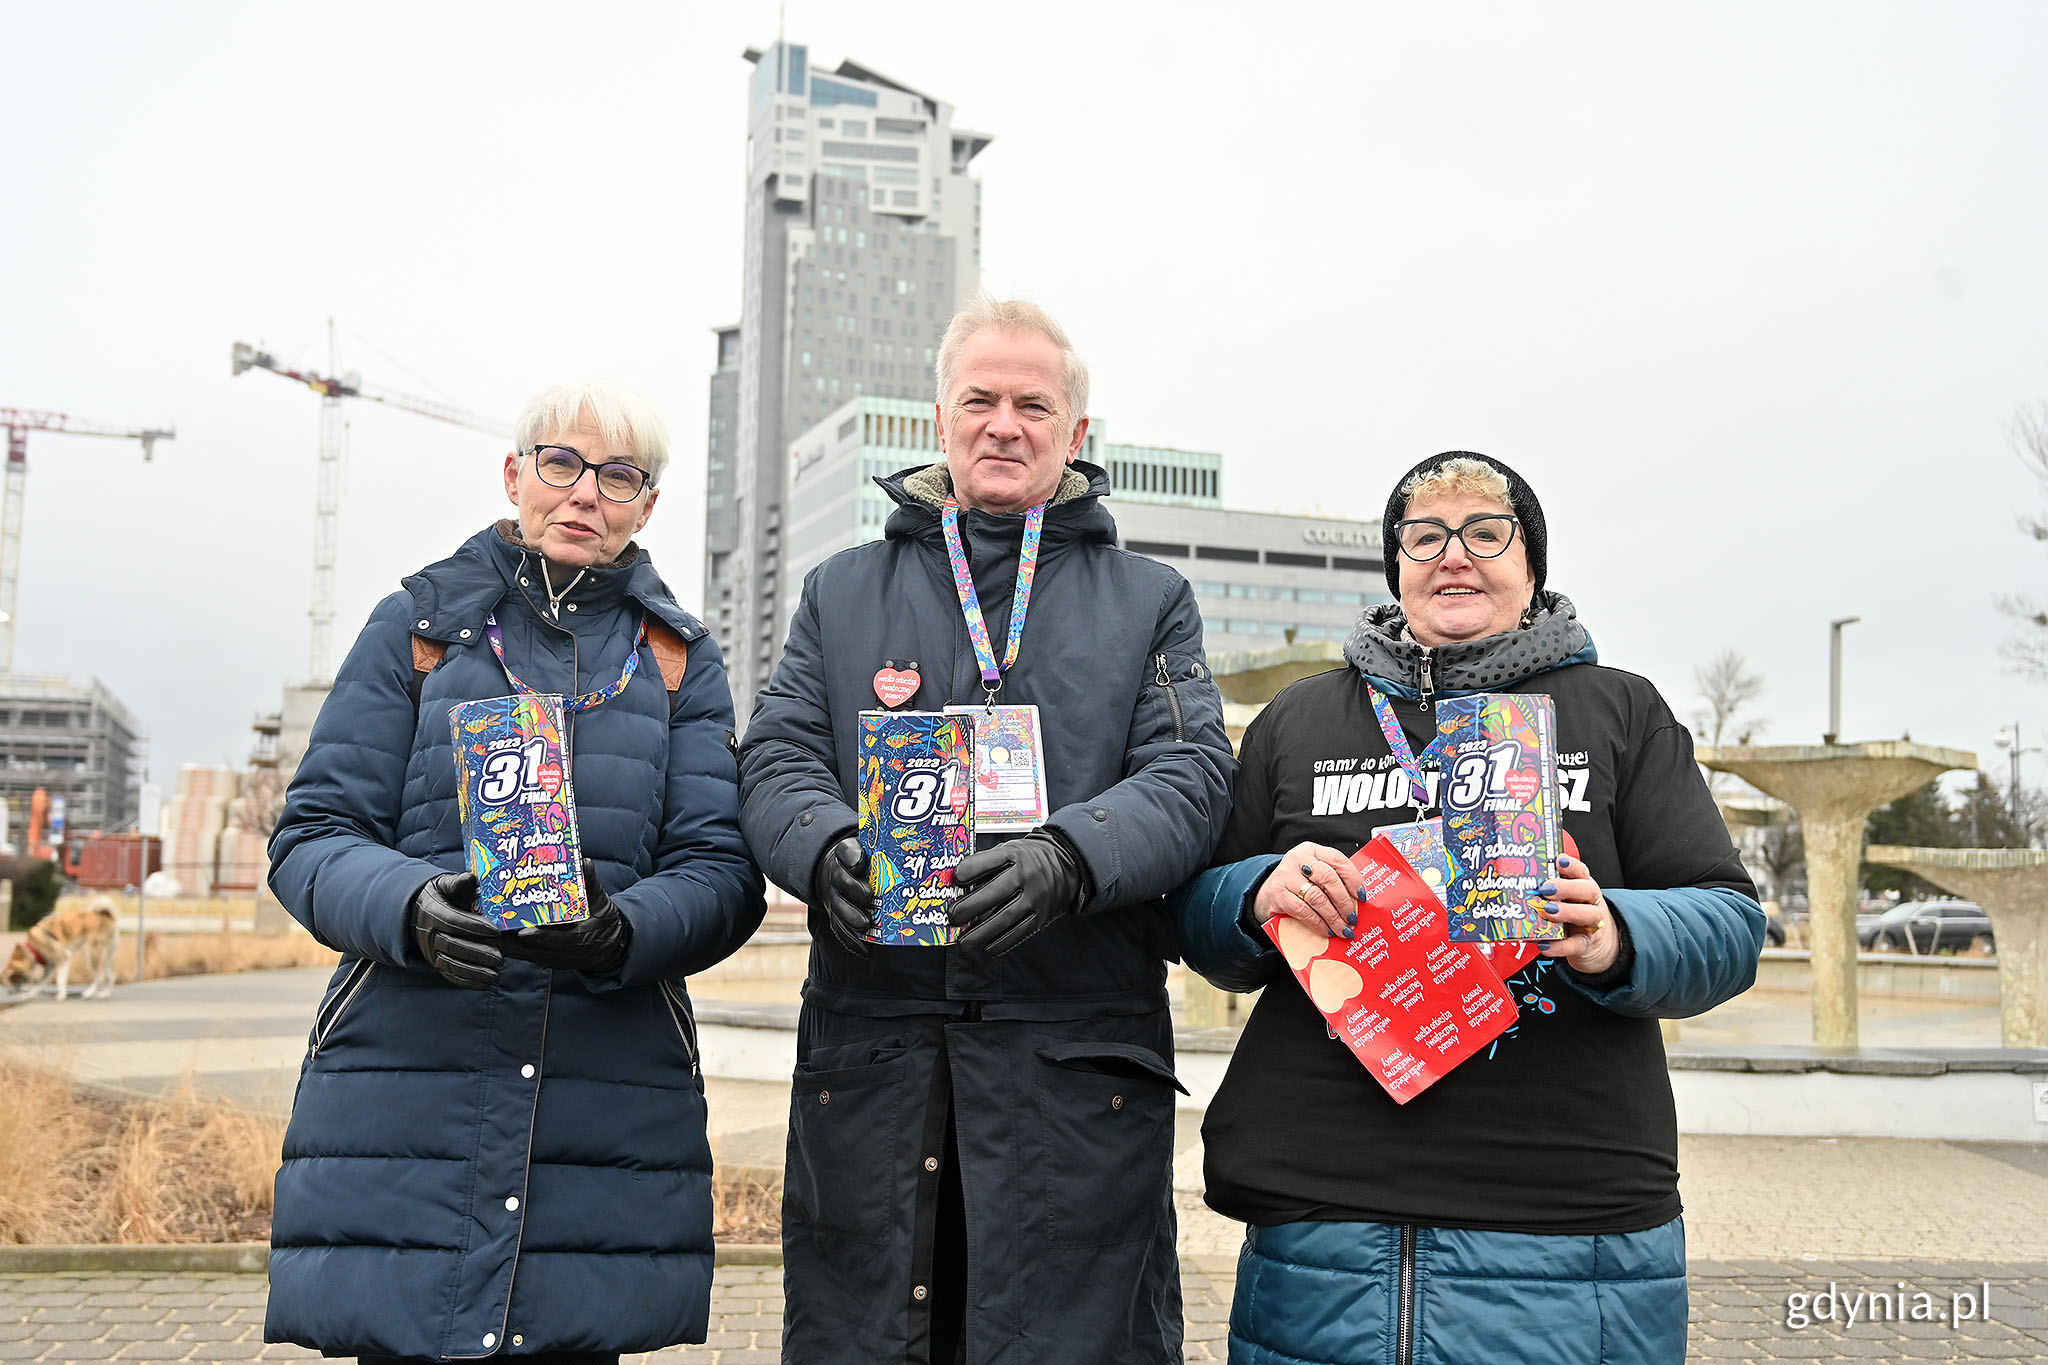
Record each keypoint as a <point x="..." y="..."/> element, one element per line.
<point x="1016" y="889"/>
<point x="455" y="940"/>
<point x="596" y="944"/>
<point x="839" y="887"/>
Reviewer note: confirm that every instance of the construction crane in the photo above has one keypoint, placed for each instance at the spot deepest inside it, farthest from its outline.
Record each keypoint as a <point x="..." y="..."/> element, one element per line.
<point x="19" y="423"/>
<point x="327" y="494"/>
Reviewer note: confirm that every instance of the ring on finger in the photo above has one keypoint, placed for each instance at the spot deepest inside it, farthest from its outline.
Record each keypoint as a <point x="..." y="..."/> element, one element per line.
<point x="1595" y="927"/>
<point x="1303" y="890"/>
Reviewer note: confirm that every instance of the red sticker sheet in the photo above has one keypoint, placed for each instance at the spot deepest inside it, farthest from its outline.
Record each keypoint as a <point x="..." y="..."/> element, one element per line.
<point x="1408" y="1002"/>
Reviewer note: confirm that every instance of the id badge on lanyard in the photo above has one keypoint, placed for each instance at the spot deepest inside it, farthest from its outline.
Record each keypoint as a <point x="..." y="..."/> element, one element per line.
<point x="1009" y="749"/>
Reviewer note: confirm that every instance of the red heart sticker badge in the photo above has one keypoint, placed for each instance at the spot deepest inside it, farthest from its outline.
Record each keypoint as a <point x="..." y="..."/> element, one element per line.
<point x="550" y="775"/>
<point x="897" y="685"/>
<point x="1521" y="784"/>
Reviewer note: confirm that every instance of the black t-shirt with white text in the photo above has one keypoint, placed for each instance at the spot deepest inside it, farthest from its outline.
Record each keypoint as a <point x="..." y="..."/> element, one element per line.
<point x="1564" y="1124"/>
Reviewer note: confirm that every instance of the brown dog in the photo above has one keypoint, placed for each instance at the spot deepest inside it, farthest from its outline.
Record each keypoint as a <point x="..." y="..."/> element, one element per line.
<point x="90" y="935"/>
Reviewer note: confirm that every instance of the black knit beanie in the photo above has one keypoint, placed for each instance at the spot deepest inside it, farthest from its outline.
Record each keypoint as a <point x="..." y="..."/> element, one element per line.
<point x="1521" y="498"/>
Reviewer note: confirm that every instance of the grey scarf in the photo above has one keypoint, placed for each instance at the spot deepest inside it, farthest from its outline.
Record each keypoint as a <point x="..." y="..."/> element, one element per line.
<point x="1380" y="647"/>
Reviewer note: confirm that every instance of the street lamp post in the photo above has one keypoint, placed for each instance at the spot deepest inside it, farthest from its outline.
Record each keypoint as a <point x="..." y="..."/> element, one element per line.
<point x="2009" y="740"/>
<point x="1835" y="675"/>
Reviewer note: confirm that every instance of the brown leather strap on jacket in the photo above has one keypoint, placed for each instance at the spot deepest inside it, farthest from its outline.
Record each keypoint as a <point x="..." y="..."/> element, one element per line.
<point x="672" y="652"/>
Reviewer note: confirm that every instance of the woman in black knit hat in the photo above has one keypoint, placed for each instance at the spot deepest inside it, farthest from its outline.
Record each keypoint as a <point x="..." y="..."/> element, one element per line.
<point x="1524" y="1207"/>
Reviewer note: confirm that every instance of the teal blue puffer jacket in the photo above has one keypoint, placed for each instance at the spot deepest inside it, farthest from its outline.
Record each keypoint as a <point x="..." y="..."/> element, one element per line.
<point x="1447" y="1296"/>
<point x="522" y="1169"/>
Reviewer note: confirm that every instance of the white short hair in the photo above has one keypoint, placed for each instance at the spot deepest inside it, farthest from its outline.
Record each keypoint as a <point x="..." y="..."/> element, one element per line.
<point x="985" y="314"/>
<point x="1471" y="478"/>
<point x="625" y="420"/>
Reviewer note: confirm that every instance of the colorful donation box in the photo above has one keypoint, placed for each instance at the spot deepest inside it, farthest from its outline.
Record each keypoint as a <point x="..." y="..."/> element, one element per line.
<point x="518" y="810"/>
<point x="916" y="773"/>
<point x="1499" y="796"/>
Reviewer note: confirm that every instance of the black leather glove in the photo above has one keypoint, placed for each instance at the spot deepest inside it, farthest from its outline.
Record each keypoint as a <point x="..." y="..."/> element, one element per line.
<point x="839" y="887"/>
<point x="596" y="944"/>
<point x="455" y="940"/>
<point x="1016" y="889"/>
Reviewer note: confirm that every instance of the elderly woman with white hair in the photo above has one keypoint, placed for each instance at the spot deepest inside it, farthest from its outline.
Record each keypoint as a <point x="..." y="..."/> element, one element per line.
<point x="1525" y="1207"/>
<point x="498" y="1143"/>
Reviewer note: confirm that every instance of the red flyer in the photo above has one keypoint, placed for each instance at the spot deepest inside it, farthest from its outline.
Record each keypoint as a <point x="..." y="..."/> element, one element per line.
<point x="1409" y="1002"/>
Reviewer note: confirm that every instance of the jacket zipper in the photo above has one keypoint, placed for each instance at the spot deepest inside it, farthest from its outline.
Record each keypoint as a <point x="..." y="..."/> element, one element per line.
<point x="1404" y="1326"/>
<point x="357" y="975"/>
<point x="1426" y="677"/>
<point x="678" y="1012"/>
<point x="575" y="662"/>
<point x="1172" y="699"/>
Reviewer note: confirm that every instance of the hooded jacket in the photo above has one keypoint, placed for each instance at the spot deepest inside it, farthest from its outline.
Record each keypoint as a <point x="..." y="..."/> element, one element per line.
<point x="1054" y="1060"/>
<point x="1138" y="767"/>
<point x="523" y="1169"/>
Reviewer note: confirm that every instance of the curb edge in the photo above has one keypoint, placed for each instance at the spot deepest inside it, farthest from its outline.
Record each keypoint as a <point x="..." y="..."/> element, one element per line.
<point x="234" y="1258"/>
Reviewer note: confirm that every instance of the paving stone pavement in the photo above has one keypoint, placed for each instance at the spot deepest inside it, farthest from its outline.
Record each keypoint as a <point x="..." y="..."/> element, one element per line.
<point x="1767" y="1219"/>
<point x="1741" y="1310"/>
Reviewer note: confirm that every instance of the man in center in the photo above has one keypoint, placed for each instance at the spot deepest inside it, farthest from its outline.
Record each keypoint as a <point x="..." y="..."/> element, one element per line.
<point x="981" y="1135"/>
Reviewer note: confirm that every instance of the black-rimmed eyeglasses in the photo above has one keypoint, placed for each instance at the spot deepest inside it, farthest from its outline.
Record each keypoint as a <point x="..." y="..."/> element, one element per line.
<point x="562" y="466"/>
<point x="1424" y="539"/>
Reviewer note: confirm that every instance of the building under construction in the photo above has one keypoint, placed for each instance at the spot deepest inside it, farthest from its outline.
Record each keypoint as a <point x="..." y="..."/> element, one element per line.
<point x="74" y="741"/>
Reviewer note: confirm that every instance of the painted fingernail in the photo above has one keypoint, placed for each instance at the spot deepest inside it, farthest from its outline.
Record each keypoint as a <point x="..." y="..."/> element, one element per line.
<point x="1550" y="910"/>
<point x="1352" y="919"/>
<point x="1564" y="860"/>
<point x="1361" y="893"/>
<point x="1350" y="933"/>
<point x="1547" y="889"/>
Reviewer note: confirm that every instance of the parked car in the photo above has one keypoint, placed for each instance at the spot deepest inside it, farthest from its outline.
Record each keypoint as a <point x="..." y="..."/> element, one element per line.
<point x="1927" y="927"/>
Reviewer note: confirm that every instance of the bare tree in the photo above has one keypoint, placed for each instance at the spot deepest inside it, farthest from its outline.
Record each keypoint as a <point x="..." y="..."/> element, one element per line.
<point x="263" y="797"/>
<point x="1783" y="857"/>
<point x="2027" y="651"/>
<point x="1727" y="687"/>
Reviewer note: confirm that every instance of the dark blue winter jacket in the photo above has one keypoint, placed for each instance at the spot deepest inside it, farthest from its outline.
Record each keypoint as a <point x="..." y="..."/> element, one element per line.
<point x="1054" y="1061"/>
<point x="443" y="1139"/>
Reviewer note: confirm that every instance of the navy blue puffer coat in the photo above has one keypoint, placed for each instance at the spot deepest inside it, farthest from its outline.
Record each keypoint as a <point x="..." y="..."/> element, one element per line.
<point x="524" y="1169"/>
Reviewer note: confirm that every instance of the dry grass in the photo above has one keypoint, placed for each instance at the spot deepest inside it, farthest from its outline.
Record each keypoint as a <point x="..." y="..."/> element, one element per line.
<point x="746" y="1204"/>
<point x="196" y="954"/>
<point x="81" y="1167"/>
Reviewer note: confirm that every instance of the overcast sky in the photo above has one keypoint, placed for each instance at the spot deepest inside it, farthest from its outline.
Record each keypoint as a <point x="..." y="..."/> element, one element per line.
<point x="1750" y="293"/>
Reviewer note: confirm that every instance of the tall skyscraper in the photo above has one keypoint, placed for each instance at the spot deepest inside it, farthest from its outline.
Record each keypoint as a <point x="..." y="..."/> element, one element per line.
<point x="863" y="237"/>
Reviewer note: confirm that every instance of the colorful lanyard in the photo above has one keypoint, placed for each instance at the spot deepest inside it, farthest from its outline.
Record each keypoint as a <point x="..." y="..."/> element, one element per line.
<point x="588" y="699"/>
<point x="1404" y="753"/>
<point x="970" y="601"/>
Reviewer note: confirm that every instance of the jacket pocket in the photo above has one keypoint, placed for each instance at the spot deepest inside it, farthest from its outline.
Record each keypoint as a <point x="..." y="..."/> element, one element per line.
<point x="1106" y="1110"/>
<point x="679" y="1014"/>
<point x="1162" y="700"/>
<point x="331" y="1012"/>
<point x="843" y="1133"/>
